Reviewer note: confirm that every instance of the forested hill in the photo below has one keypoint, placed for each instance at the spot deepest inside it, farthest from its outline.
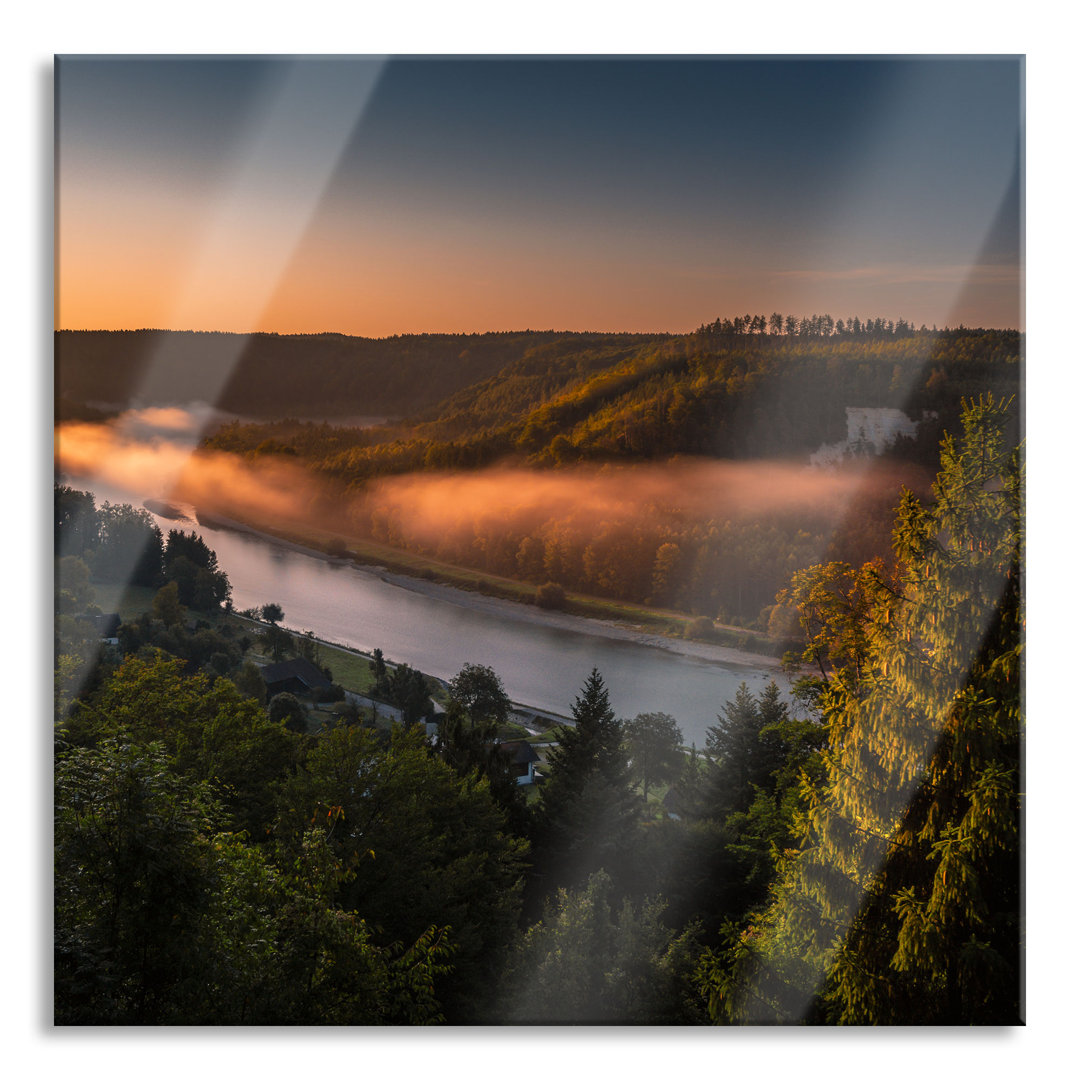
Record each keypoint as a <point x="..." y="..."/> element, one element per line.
<point x="304" y="375"/>
<point x="714" y="393"/>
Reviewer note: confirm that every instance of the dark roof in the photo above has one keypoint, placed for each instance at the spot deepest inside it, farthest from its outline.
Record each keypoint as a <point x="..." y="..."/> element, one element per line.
<point x="301" y="669"/>
<point x="519" y="750"/>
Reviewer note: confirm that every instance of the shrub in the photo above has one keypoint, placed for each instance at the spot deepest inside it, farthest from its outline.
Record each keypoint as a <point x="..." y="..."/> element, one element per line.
<point x="347" y="710"/>
<point x="551" y="595"/>
<point x="700" y="627"/>
<point x="333" y="692"/>
<point x="221" y="662"/>
<point x="783" y="623"/>
<point x="286" y="708"/>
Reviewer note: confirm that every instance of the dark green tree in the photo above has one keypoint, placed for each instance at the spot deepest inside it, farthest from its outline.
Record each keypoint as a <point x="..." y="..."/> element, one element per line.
<point x="166" y="605"/>
<point x="278" y="641"/>
<point x="587" y="813"/>
<point x="428" y="847"/>
<point x="131" y="883"/>
<point x="407" y="689"/>
<point x="468" y="734"/>
<point x="75" y="522"/>
<point x="903" y="904"/>
<point x="745" y="749"/>
<point x="285" y="709"/>
<point x="272" y="613"/>
<point x="653" y="741"/>
<point x="160" y="919"/>
<point x="378" y="670"/>
<point x="193" y="566"/>
<point x="590" y="961"/>
<point x="129" y="548"/>
<point x="483" y="696"/>
<point x="209" y="730"/>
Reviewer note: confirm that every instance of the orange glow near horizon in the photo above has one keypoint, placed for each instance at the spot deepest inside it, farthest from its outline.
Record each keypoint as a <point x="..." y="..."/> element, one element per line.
<point x="164" y="259"/>
<point x="386" y="282"/>
<point x="167" y="267"/>
<point x="371" y="198"/>
<point x="398" y="288"/>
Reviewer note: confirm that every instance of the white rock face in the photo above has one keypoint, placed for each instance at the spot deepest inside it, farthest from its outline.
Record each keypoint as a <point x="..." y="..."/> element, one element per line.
<point x="868" y="429"/>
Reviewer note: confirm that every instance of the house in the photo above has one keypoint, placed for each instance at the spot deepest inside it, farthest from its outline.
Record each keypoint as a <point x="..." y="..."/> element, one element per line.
<point x="869" y="431"/>
<point x="522" y="758"/>
<point x="298" y="676"/>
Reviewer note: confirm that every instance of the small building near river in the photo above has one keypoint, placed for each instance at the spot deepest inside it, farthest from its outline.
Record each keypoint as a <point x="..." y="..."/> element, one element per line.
<point x="297" y="676"/>
<point x="522" y="758"/>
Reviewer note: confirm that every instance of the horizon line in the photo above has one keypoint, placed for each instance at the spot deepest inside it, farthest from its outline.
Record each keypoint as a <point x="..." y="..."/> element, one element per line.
<point x="922" y="328"/>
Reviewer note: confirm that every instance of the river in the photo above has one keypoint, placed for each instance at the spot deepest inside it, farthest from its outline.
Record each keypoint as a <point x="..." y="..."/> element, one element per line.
<point x="542" y="660"/>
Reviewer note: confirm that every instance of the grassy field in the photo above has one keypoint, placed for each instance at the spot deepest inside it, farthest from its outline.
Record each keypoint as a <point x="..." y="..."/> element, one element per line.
<point x="350" y="670"/>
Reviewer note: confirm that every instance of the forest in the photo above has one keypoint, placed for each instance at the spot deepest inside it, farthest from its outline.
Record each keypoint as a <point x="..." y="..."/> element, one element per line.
<point x="272" y="375"/>
<point x="848" y="856"/>
<point x="634" y="471"/>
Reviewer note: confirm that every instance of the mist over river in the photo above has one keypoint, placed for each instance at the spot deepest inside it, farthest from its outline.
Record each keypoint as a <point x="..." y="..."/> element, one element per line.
<point x="542" y="658"/>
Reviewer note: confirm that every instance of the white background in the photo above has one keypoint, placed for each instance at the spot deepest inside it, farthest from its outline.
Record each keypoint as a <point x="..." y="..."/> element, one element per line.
<point x="33" y="36"/>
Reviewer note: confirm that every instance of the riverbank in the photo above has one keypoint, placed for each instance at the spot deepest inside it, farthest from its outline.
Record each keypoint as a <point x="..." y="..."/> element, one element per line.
<point x="542" y="656"/>
<point x="562" y="620"/>
<point x="518" y="609"/>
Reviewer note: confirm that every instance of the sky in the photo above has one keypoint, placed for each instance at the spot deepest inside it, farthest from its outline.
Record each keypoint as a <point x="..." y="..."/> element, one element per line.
<point x="377" y="196"/>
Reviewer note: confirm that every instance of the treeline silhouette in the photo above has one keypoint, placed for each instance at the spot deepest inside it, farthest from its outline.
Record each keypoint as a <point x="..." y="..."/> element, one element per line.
<point x="275" y="375"/>
<point x="817" y="326"/>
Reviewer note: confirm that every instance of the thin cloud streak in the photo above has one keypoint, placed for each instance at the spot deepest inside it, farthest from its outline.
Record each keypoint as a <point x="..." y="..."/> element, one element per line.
<point x="956" y="275"/>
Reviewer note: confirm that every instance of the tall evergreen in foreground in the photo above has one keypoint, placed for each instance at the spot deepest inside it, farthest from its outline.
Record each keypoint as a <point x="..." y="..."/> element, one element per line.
<point x="903" y="905"/>
<point x="587" y="813"/>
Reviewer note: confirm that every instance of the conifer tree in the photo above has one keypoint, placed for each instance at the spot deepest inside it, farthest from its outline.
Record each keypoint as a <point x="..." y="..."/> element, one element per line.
<point x="746" y="747"/>
<point x="903" y="904"/>
<point x="587" y="809"/>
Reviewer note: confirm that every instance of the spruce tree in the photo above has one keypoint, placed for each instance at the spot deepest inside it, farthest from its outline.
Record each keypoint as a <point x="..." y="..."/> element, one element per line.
<point x="587" y="811"/>
<point x="903" y="905"/>
<point x="746" y="747"/>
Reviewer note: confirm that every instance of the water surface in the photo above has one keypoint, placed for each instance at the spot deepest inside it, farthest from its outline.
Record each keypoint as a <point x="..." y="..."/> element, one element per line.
<point x="435" y="631"/>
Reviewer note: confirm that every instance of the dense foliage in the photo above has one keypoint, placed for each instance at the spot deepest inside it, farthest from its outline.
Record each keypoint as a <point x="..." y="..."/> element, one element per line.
<point x="291" y="374"/>
<point x="903" y="902"/>
<point x="848" y="855"/>
<point x="174" y="902"/>
<point x="723" y="393"/>
<point x="122" y="544"/>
